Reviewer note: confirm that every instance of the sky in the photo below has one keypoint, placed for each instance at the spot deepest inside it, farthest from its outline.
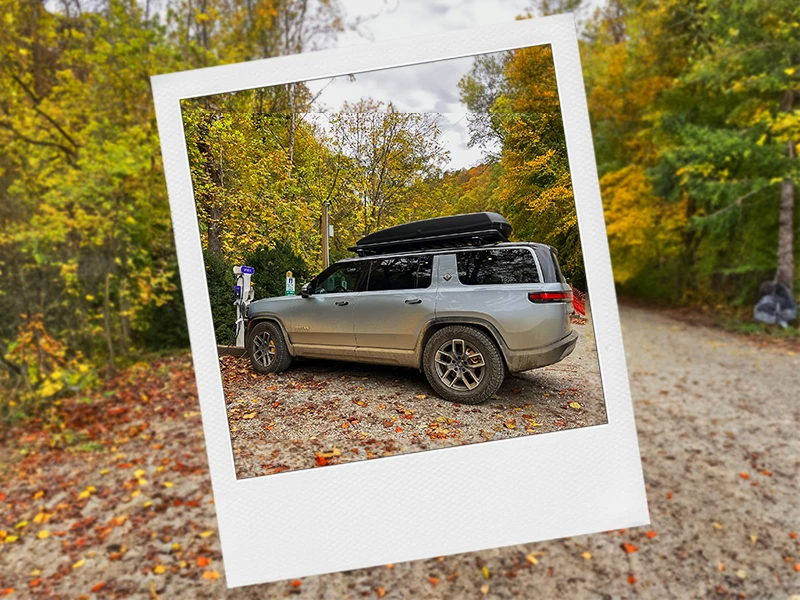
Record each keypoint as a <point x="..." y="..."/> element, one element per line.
<point x="430" y="87"/>
<point x="420" y="88"/>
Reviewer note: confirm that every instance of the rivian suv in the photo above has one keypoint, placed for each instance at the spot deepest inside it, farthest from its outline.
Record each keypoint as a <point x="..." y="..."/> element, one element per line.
<point x="464" y="314"/>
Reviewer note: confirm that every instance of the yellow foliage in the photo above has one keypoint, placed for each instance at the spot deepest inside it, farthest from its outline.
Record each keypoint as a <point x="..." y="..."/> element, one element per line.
<point x="643" y="229"/>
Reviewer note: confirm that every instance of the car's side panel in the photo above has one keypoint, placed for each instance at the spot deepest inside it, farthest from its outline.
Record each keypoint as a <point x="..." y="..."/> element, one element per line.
<point x="322" y="325"/>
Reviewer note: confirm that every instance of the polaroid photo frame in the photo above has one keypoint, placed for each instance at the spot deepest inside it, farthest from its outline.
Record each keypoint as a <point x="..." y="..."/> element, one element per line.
<point x="478" y="496"/>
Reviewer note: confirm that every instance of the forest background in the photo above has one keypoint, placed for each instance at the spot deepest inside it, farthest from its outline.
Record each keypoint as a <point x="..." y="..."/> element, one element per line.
<point x="695" y="113"/>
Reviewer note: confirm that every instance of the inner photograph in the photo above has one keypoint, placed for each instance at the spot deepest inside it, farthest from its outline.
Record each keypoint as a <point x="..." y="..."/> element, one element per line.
<point x="393" y="262"/>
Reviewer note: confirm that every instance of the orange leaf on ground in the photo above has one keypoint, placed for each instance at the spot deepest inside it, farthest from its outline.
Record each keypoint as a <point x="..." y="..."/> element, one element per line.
<point x="744" y="475"/>
<point x="669" y="495"/>
<point x="793" y="535"/>
<point x="203" y="561"/>
<point x="98" y="586"/>
<point x="381" y="592"/>
<point x="629" y="548"/>
<point x="297" y="583"/>
<point x="433" y="581"/>
<point x="321" y="461"/>
<point x="797" y="566"/>
<point x="35" y="582"/>
<point x="651" y="534"/>
<point x="631" y="579"/>
<point x="210" y="575"/>
<point x="6" y="592"/>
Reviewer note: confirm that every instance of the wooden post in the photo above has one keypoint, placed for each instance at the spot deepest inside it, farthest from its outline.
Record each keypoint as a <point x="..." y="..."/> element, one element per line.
<point x="325" y="241"/>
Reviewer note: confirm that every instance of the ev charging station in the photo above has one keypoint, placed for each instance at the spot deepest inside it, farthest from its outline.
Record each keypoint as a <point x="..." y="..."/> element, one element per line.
<point x="242" y="297"/>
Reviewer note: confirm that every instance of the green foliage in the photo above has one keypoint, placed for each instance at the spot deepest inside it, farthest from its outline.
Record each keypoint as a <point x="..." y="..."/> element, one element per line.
<point x="694" y="108"/>
<point x="271" y="265"/>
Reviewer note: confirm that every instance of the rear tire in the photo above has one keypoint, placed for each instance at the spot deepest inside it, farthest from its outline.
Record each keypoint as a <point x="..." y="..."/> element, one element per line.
<point x="462" y="364"/>
<point x="267" y="348"/>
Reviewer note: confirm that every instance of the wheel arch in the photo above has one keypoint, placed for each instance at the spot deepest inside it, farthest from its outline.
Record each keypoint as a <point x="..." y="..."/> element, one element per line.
<point x="270" y="318"/>
<point x="482" y="325"/>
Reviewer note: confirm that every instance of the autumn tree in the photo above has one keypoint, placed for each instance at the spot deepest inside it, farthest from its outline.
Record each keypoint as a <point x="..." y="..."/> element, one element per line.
<point x="392" y="150"/>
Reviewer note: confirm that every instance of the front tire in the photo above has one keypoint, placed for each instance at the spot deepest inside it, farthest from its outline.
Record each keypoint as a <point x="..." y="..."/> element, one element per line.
<point x="267" y="348"/>
<point x="462" y="364"/>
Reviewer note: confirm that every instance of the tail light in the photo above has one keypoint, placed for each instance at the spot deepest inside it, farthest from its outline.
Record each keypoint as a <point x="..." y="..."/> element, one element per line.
<point x="540" y="297"/>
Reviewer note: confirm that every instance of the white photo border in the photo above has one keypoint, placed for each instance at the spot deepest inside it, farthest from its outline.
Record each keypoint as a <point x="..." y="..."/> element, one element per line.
<point x="438" y="502"/>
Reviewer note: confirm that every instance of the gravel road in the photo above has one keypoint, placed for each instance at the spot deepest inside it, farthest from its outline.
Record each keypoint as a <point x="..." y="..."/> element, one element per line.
<point x="324" y="412"/>
<point x="717" y="416"/>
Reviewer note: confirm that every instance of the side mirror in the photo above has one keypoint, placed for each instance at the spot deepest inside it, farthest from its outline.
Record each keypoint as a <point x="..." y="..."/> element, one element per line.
<point x="306" y="291"/>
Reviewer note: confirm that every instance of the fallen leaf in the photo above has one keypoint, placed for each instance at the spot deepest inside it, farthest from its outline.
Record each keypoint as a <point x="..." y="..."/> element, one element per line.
<point x="206" y="534"/>
<point x="631" y="579"/>
<point x="43" y="534"/>
<point x="433" y="581"/>
<point x="321" y="460"/>
<point x="575" y="405"/>
<point x="486" y="572"/>
<point x="532" y="559"/>
<point x="484" y="589"/>
<point x="744" y="475"/>
<point x="79" y="564"/>
<point x="381" y="592"/>
<point x="249" y="415"/>
<point x="651" y="534"/>
<point x="587" y="555"/>
<point x="35" y="582"/>
<point x="159" y="569"/>
<point x="296" y="583"/>
<point x="629" y="548"/>
<point x="98" y="586"/>
<point x="210" y="575"/>
<point x="741" y="574"/>
<point x="203" y="561"/>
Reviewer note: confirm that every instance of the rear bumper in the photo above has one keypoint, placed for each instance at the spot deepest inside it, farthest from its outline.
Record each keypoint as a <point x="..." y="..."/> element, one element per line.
<point x="523" y="360"/>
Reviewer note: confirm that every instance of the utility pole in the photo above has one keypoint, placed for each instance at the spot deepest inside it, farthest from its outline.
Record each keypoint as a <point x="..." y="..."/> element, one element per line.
<point x="325" y="230"/>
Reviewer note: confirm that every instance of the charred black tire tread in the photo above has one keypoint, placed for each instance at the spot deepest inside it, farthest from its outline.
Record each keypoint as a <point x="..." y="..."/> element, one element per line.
<point x="282" y="360"/>
<point x="495" y="366"/>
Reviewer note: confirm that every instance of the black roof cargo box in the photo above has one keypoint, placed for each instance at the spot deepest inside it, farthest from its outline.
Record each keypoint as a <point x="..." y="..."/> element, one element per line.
<point x="441" y="232"/>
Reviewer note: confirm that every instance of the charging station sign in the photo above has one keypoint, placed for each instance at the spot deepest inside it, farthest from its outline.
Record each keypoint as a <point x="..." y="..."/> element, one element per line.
<point x="289" y="284"/>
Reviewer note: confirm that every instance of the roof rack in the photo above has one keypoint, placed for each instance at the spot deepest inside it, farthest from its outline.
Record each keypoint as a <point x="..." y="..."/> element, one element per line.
<point x="474" y="229"/>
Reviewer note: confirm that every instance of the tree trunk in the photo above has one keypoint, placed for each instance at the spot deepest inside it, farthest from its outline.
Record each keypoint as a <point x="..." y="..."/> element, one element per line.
<point x="292" y="125"/>
<point x="107" y="322"/>
<point x="785" y="271"/>
<point x="215" y="229"/>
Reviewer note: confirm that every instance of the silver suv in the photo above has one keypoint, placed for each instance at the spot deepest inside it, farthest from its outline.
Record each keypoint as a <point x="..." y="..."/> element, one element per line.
<point x="464" y="315"/>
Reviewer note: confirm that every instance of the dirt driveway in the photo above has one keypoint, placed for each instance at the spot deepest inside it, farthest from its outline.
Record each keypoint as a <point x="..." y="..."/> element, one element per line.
<point x="323" y="412"/>
<point x="717" y="415"/>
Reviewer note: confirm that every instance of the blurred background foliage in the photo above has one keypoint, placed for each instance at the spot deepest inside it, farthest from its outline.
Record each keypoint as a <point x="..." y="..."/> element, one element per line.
<point x="695" y="114"/>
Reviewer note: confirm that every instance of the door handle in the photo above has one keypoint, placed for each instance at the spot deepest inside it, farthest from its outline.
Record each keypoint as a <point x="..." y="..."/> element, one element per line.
<point x="413" y="301"/>
<point x="342" y="303"/>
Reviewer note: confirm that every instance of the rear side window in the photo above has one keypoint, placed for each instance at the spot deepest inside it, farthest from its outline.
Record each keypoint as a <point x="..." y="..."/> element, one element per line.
<point x="496" y="266"/>
<point x="400" y="273"/>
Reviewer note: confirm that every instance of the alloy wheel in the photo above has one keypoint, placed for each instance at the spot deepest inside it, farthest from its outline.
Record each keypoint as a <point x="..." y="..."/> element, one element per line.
<point x="460" y="365"/>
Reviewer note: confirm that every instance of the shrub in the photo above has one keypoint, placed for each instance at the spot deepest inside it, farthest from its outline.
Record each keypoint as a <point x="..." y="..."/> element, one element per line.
<point x="271" y="265"/>
<point x="219" y="277"/>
